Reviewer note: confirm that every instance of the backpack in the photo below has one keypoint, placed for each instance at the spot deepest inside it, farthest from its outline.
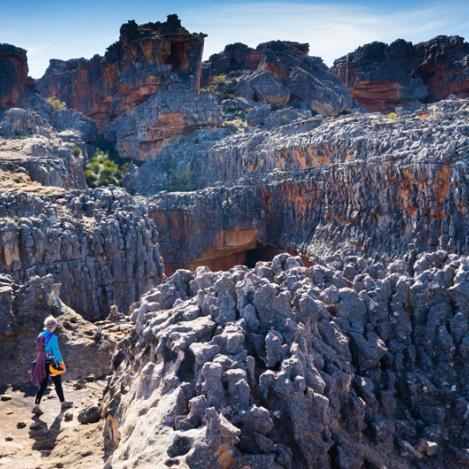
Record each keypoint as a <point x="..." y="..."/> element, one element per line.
<point x="38" y="368"/>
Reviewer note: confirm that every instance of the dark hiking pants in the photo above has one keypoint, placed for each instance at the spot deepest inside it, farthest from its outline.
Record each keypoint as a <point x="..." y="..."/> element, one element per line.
<point x="57" y="383"/>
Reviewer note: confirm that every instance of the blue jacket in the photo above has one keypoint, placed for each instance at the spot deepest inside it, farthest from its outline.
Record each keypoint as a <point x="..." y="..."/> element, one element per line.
<point x="52" y="346"/>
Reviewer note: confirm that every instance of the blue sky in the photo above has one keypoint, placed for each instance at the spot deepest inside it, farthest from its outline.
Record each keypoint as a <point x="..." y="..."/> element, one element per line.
<point x="65" y="29"/>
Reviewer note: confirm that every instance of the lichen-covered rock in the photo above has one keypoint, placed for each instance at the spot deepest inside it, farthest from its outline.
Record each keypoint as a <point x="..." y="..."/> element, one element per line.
<point x="381" y="77"/>
<point x="143" y="92"/>
<point x="290" y="366"/>
<point x="99" y="244"/>
<point x="13" y="75"/>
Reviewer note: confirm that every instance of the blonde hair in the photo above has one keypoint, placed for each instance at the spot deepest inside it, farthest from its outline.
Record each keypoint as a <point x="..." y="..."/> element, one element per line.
<point x="50" y="321"/>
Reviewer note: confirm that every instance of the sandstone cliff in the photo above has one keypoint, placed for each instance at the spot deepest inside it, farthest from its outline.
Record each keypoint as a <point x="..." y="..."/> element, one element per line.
<point x="143" y="92"/>
<point x="99" y="244"/>
<point x="13" y="75"/>
<point x="381" y="77"/>
<point x="342" y="364"/>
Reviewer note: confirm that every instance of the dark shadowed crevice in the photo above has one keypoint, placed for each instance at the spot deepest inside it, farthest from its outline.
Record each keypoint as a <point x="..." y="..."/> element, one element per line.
<point x="178" y="58"/>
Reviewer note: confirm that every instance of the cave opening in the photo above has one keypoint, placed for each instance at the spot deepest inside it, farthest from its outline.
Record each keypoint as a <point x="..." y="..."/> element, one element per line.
<point x="178" y="58"/>
<point x="261" y="253"/>
<point x="248" y="257"/>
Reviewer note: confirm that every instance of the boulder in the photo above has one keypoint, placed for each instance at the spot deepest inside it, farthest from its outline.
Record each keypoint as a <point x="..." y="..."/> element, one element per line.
<point x="279" y="73"/>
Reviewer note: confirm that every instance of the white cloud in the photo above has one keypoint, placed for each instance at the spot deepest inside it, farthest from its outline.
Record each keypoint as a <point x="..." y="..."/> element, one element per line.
<point x="331" y="31"/>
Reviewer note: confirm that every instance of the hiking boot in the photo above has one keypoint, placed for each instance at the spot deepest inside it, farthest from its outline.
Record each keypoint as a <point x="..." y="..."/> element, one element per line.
<point x="67" y="405"/>
<point x="37" y="410"/>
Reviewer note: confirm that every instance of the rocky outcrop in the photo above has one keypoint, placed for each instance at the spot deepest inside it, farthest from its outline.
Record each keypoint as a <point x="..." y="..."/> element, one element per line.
<point x="277" y="73"/>
<point x="40" y="146"/>
<point x="381" y="77"/>
<point x="13" y="75"/>
<point x="355" y="184"/>
<point x="31" y="146"/>
<point x="143" y="92"/>
<point x="99" y="244"/>
<point x="87" y="348"/>
<point x="346" y="363"/>
<point x="234" y="58"/>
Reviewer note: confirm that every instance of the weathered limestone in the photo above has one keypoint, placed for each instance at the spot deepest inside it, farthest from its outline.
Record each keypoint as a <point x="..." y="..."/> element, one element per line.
<point x="358" y="183"/>
<point x="343" y="364"/>
<point x="99" y="244"/>
<point x="87" y="348"/>
<point x="31" y="145"/>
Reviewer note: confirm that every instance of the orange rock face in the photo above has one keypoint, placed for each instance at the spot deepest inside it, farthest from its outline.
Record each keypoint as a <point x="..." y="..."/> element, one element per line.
<point x="381" y="77"/>
<point x="133" y="69"/>
<point x="147" y="60"/>
<point x="13" y="75"/>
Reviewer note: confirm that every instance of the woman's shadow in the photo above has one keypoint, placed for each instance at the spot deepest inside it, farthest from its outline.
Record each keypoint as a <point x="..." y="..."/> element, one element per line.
<point x="45" y="438"/>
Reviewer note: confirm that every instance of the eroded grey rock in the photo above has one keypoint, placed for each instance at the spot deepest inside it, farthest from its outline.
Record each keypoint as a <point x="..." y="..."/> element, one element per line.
<point x="373" y="374"/>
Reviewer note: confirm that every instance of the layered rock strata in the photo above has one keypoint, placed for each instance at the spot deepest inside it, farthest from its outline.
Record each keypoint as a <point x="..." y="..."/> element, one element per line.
<point x="381" y="77"/>
<point x="30" y="145"/>
<point x="143" y="92"/>
<point x="99" y="244"/>
<point x="358" y="183"/>
<point x="346" y="363"/>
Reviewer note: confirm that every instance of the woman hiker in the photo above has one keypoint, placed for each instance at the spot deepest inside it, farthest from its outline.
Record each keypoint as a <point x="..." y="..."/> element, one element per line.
<point x="48" y="363"/>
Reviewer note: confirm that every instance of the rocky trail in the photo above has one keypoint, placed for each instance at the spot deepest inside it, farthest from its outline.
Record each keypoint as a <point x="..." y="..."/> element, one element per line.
<point x="56" y="439"/>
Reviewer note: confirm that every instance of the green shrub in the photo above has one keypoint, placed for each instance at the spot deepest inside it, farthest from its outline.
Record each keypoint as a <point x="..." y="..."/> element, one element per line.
<point x="101" y="170"/>
<point x="76" y="152"/>
<point x="56" y="104"/>
<point x="393" y="116"/>
<point x="219" y="80"/>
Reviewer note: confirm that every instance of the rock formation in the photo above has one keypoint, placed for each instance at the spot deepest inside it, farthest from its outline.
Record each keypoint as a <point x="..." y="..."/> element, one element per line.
<point x="343" y="364"/>
<point x="143" y="92"/>
<point x="381" y="77"/>
<point x="87" y="348"/>
<point x="99" y="244"/>
<point x="350" y="352"/>
<point x="13" y="75"/>
<point x="39" y="145"/>
<point x="31" y="146"/>
<point x="234" y="58"/>
<point x="358" y="183"/>
<point x="277" y="73"/>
